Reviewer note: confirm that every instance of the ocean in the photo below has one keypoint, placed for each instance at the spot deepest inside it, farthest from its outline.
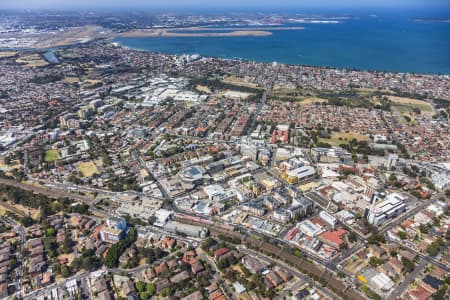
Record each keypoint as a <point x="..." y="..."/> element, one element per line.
<point x="382" y="43"/>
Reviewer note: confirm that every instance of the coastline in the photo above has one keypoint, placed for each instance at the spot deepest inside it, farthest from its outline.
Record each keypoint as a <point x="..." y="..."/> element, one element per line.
<point x="76" y="35"/>
<point x="190" y="32"/>
<point x="168" y="34"/>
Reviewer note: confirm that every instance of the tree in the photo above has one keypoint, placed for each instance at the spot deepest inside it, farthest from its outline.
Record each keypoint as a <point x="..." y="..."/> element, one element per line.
<point x="140" y="286"/>
<point x="352" y="237"/>
<point x="12" y="263"/>
<point x="402" y="235"/>
<point x="376" y="239"/>
<point x="433" y="248"/>
<point x="65" y="272"/>
<point x="392" y="177"/>
<point x="90" y="263"/>
<point x="409" y="265"/>
<point x="150" y="288"/>
<point x="165" y="292"/>
<point x="374" y="262"/>
<point x="423" y="228"/>
<point x="66" y="245"/>
<point x="56" y="267"/>
<point x="112" y="258"/>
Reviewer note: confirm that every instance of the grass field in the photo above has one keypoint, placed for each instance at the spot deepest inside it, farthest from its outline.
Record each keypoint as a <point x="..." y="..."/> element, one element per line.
<point x="32" y="60"/>
<point x="406" y="105"/>
<point x="203" y="89"/>
<point x="312" y="100"/>
<point x="71" y="80"/>
<point x="19" y="209"/>
<point x="87" y="169"/>
<point x="7" y="54"/>
<point x="51" y="155"/>
<point x="338" y="138"/>
<point x="239" y="81"/>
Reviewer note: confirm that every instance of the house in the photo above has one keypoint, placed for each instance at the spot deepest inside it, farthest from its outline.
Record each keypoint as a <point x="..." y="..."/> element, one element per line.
<point x="420" y="294"/>
<point x="38" y="250"/>
<point x="129" y="253"/>
<point x="148" y="274"/>
<point x="396" y="265"/>
<point x="100" y="285"/>
<point x="389" y="271"/>
<point x="105" y="295"/>
<point x="436" y="272"/>
<point x="239" y="288"/>
<point x="219" y="253"/>
<point x="197" y="267"/>
<point x="46" y="278"/>
<point x="161" y="268"/>
<point x="376" y="251"/>
<point x="253" y="264"/>
<point x="216" y="295"/>
<point x="432" y="281"/>
<point x="128" y="288"/>
<point x="180" y="277"/>
<point x="212" y="287"/>
<point x="283" y="274"/>
<point x="301" y="295"/>
<point x="168" y="243"/>
<point x="3" y="290"/>
<point x="101" y="250"/>
<point x="268" y="283"/>
<point x="194" y="296"/>
<point x="189" y="257"/>
<point x="34" y="243"/>
<point x="274" y="279"/>
<point x="408" y="255"/>
<point x="254" y="296"/>
<point x="390" y="247"/>
<point x="172" y="264"/>
<point x="162" y="284"/>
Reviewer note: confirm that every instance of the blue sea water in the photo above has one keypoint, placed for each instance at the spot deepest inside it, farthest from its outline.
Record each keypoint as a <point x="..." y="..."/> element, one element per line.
<point x="384" y="43"/>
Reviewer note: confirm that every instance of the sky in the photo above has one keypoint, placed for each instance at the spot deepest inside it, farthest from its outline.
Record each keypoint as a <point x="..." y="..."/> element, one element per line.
<point x="133" y="4"/>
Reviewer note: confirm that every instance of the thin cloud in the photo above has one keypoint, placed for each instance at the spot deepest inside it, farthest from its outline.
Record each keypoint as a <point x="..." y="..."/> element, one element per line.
<point x="56" y="4"/>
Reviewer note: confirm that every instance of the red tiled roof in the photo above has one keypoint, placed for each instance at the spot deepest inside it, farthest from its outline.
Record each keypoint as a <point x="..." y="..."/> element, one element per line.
<point x="334" y="236"/>
<point x="220" y="252"/>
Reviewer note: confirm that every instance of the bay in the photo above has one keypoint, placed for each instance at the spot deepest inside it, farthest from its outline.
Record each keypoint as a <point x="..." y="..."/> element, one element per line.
<point x="370" y="43"/>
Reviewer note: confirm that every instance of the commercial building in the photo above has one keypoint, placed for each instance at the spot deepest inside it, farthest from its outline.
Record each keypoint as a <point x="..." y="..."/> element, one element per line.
<point x="189" y="230"/>
<point x="381" y="282"/>
<point x="391" y="207"/>
<point x="162" y="217"/>
<point x="118" y="223"/>
<point x="216" y="192"/>
<point x="333" y="238"/>
<point x="329" y="219"/>
<point x="309" y="228"/>
<point x="111" y="235"/>
<point x="299" y="174"/>
<point x="192" y="175"/>
<point x="282" y="215"/>
<point x="254" y="209"/>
